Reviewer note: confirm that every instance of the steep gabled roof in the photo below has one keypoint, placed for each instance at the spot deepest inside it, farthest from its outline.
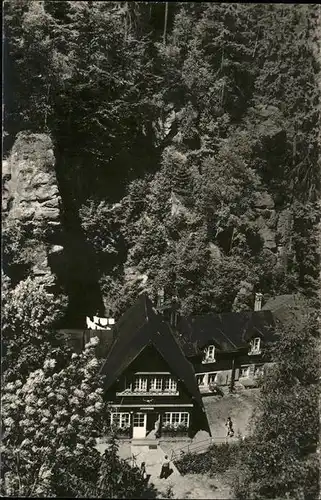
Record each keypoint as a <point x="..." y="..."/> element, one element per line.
<point x="228" y="331"/>
<point x="138" y="328"/>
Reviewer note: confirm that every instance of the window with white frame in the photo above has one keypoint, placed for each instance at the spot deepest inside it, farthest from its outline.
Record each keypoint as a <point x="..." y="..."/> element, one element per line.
<point x="166" y="419"/>
<point x="120" y="420"/>
<point x="212" y="378"/>
<point x="176" y="418"/>
<point x="170" y="385"/>
<point x="209" y="354"/>
<point x="244" y="371"/>
<point x="184" y="419"/>
<point x="156" y="384"/>
<point x="200" y="379"/>
<point x="140" y="384"/>
<point x="139" y="420"/>
<point x="259" y="371"/>
<point x="255" y="346"/>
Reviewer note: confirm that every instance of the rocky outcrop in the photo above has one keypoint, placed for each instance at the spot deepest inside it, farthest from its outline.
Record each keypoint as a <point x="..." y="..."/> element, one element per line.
<point x="31" y="188"/>
<point x="31" y="201"/>
<point x="275" y="227"/>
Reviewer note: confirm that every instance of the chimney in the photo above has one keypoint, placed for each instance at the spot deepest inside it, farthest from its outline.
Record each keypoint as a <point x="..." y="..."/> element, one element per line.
<point x="258" y="302"/>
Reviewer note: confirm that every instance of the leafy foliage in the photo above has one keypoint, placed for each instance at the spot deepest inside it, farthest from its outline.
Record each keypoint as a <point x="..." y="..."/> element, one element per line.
<point x="280" y="457"/>
<point x="51" y="420"/>
<point x="217" y="459"/>
<point x="29" y="315"/>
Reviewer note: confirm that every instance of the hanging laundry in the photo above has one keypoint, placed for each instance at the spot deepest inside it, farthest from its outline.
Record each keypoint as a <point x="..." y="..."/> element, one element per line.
<point x="88" y="322"/>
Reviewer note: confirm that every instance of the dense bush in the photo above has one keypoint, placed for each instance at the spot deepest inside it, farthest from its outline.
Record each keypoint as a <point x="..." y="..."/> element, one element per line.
<point x="280" y="458"/>
<point x="217" y="459"/>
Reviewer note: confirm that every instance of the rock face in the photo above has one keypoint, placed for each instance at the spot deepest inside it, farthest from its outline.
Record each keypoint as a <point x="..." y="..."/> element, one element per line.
<point x="30" y="181"/>
<point x="31" y="199"/>
<point x="275" y="227"/>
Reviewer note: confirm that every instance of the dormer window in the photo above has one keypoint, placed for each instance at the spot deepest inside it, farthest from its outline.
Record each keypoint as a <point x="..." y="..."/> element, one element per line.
<point x="255" y="346"/>
<point x="209" y="354"/>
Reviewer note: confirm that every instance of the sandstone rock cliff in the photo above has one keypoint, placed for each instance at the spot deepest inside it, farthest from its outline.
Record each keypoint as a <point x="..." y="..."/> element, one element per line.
<point x="31" y="202"/>
<point x="275" y="228"/>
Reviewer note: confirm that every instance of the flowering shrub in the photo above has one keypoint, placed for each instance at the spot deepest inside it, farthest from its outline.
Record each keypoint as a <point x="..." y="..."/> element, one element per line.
<point x="29" y="314"/>
<point x="50" y="423"/>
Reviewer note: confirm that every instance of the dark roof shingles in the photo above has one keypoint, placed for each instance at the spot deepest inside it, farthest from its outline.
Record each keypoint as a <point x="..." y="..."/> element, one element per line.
<point x="140" y="326"/>
<point x="230" y="331"/>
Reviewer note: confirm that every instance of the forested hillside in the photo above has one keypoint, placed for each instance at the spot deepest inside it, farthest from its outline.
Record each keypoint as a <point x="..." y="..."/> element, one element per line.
<point x="180" y="146"/>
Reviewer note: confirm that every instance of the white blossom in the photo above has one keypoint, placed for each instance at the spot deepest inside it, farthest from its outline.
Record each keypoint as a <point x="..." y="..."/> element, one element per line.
<point x="25" y="442"/>
<point x="8" y="421"/>
<point x="30" y="399"/>
<point x="93" y="363"/>
<point x="25" y="422"/>
<point x="74" y="355"/>
<point x="10" y="386"/>
<point x="49" y="363"/>
<point x="79" y="393"/>
<point x="46" y="474"/>
<point x="30" y="410"/>
<point x="92" y="342"/>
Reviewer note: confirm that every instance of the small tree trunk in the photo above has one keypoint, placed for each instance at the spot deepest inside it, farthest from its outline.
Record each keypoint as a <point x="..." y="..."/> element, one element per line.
<point x="317" y="51"/>
<point x="165" y="23"/>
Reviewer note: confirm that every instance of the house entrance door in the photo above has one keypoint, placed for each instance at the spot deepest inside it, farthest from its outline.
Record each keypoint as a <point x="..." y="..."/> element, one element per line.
<point x="139" y="425"/>
<point x="151" y="423"/>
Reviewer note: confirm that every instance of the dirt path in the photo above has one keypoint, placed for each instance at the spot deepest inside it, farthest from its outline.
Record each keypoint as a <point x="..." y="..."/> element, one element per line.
<point x="194" y="486"/>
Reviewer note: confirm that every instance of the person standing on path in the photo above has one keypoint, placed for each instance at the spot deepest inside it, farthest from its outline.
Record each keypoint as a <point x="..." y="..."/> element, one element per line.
<point x="157" y="427"/>
<point x="229" y="425"/>
<point x="143" y="470"/>
<point x="165" y="468"/>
